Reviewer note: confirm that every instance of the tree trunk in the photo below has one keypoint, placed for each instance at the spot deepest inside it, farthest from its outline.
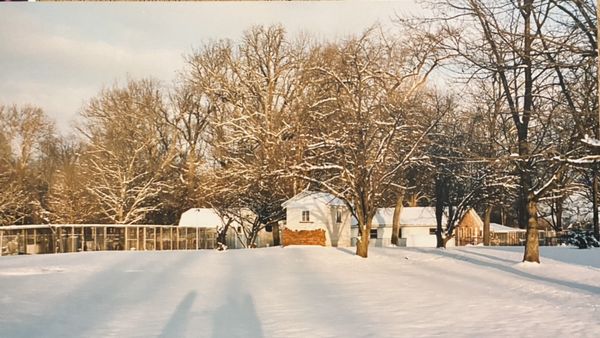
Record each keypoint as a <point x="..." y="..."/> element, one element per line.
<point x="532" y="250"/>
<point x="396" y="219"/>
<point x="486" y="225"/>
<point x="595" y="203"/>
<point x="222" y="237"/>
<point x="362" y="247"/>
<point x="532" y="247"/>
<point x="598" y="76"/>
<point x="447" y="239"/>
<point x="559" y="213"/>
<point x="276" y="239"/>
<point x="440" y="197"/>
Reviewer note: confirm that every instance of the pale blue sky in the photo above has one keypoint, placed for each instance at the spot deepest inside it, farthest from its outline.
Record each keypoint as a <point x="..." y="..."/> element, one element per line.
<point x="57" y="56"/>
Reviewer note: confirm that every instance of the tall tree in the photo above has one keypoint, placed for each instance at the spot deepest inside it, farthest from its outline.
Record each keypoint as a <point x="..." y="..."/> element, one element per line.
<point x="129" y="152"/>
<point x="254" y="92"/>
<point x="368" y="120"/>
<point x="25" y="134"/>
<point x="510" y="41"/>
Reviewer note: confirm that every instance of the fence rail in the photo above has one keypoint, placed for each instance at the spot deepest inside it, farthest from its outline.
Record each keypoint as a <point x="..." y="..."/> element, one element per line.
<point x="39" y="239"/>
<point x="472" y="236"/>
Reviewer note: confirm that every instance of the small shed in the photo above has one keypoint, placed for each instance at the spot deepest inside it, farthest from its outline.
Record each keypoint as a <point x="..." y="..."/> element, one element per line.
<point x="202" y="218"/>
<point x="503" y="235"/>
<point x="209" y="221"/>
<point x="469" y="229"/>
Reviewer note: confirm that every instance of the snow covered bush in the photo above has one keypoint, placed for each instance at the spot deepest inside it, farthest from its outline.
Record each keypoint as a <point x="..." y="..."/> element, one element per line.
<point x="581" y="239"/>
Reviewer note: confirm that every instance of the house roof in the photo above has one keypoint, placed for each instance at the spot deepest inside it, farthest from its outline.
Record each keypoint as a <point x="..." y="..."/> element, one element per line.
<point x="495" y="227"/>
<point x="471" y="220"/>
<point x="201" y="217"/>
<point x="410" y="216"/>
<point x="308" y="197"/>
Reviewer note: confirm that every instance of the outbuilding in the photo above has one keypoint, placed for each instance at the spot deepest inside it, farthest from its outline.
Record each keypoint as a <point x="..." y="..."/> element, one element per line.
<point x="316" y="218"/>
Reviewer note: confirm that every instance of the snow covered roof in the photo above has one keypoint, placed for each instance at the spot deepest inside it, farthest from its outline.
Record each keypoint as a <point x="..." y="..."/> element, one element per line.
<point x="307" y="198"/>
<point x="201" y="217"/>
<point x="495" y="227"/>
<point x="410" y="216"/>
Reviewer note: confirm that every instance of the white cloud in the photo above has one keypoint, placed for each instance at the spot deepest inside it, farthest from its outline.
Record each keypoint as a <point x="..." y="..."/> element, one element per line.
<point x="58" y="56"/>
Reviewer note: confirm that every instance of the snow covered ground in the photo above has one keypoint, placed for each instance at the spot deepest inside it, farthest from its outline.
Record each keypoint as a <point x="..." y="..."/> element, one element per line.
<point x="302" y="292"/>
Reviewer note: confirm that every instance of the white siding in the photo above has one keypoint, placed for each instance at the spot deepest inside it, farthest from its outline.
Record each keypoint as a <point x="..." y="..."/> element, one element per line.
<point x="418" y="236"/>
<point x="322" y="216"/>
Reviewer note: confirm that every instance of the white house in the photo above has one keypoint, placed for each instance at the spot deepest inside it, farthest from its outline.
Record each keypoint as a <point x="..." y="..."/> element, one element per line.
<point x="417" y="227"/>
<point x="311" y="210"/>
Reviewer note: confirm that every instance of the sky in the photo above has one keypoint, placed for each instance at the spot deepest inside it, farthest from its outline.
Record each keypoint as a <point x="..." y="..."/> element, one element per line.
<point x="58" y="56"/>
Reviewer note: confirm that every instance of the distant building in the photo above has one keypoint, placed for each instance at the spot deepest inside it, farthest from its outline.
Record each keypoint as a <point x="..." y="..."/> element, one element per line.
<point x="311" y="213"/>
<point x="417" y="227"/>
<point x="211" y="220"/>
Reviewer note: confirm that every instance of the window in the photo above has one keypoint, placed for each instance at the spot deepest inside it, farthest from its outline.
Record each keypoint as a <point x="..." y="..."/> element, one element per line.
<point x="373" y="233"/>
<point x="338" y="216"/>
<point x="305" y="216"/>
<point x="432" y="231"/>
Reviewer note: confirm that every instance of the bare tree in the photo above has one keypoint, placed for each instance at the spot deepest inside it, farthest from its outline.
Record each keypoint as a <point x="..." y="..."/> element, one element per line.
<point x="511" y="42"/>
<point x="252" y="93"/>
<point x="24" y="134"/>
<point x="129" y="152"/>
<point x="68" y="199"/>
<point x="366" y="123"/>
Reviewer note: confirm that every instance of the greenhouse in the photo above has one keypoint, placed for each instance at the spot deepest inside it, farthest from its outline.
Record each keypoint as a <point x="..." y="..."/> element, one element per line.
<point x="40" y="239"/>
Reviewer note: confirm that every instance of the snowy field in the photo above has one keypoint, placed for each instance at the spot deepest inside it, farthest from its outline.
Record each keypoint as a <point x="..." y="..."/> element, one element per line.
<point x="302" y="292"/>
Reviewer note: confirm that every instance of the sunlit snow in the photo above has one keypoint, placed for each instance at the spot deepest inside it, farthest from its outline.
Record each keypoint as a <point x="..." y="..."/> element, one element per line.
<point x="302" y="292"/>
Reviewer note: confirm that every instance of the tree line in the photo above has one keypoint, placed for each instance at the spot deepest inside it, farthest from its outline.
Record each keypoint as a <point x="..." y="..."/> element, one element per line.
<point x="248" y="125"/>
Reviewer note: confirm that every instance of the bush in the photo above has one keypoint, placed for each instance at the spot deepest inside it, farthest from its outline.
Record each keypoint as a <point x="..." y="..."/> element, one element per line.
<point x="581" y="239"/>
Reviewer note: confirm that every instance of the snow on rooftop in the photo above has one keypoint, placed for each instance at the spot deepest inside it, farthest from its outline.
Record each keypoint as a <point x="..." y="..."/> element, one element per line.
<point x="495" y="227"/>
<point x="201" y="217"/>
<point x="308" y="197"/>
<point x="414" y="216"/>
